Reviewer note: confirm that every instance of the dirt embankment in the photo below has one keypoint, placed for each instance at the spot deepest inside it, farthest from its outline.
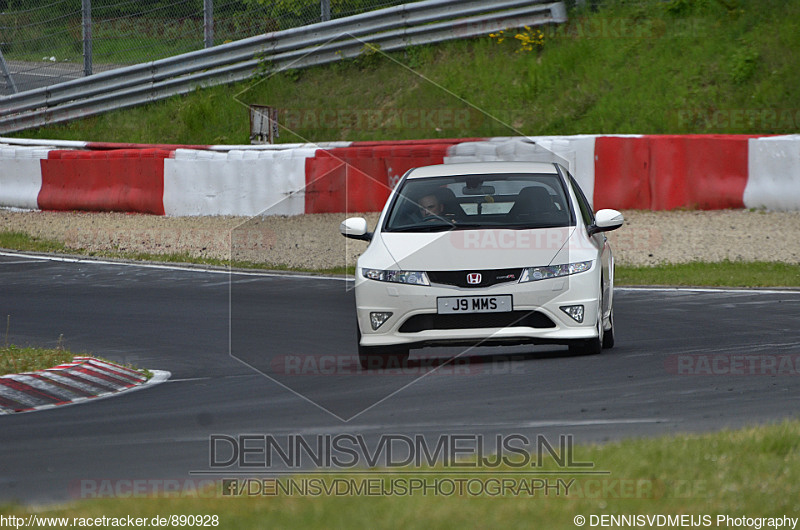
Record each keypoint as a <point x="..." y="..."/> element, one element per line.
<point x="313" y="241"/>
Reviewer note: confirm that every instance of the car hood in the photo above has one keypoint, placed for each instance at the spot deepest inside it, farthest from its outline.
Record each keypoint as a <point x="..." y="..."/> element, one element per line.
<point x="477" y="249"/>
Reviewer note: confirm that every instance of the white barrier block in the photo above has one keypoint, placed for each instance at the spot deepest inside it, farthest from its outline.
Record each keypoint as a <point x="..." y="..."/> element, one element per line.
<point x="305" y="152"/>
<point x="21" y="176"/>
<point x="464" y="149"/>
<point x="185" y="154"/>
<point x="576" y="153"/>
<point x="773" y="180"/>
<point x="259" y="186"/>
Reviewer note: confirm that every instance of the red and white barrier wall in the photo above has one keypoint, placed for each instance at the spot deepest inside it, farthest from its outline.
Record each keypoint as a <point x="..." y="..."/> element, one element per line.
<point x="623" y="172"/>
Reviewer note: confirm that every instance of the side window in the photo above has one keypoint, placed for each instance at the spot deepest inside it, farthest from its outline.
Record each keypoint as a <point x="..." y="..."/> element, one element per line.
<point x="586" y="209"/>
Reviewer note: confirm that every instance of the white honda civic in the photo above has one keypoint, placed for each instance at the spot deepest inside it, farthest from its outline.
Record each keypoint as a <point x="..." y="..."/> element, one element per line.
<point x="485" y="253"/>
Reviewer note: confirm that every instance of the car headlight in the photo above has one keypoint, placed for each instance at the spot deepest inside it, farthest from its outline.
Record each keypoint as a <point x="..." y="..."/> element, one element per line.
<point x="410" y="277"/>
<point x="533" y="274"/>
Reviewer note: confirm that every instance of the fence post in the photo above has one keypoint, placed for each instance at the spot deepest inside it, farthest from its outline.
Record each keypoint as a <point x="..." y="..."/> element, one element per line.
<point x="86" y="11"/>
<point x="208" y="23"/>
<point x="325" y="10"/>
<point x="7" y="74"/>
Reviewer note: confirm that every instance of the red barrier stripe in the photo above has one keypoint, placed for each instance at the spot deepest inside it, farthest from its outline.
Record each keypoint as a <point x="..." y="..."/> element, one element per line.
<point x="122" y="376"/>
<point x="702" y="172"/>
<point x="28" y="390"/>
<point x="104" y="377"/>
<point x="95" y="386"/>
<point x="10" y="404"/>
<point x="106" y="181"/>
<point x="622" y="173"/>
<point x="115" y="369"/>
<point x="666" y="172"/>
<point x="77" y="391"/>
<point x="61" y="393"/>
<point x="360" y="178"/>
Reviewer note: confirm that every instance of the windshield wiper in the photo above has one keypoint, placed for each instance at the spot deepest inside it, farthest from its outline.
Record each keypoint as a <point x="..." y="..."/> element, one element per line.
<point x="422" y="228"/>
<point x="483" y="226"/>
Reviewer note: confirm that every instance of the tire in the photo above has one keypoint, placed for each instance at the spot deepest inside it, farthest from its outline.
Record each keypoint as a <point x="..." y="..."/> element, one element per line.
<point x="381" y="357"/>
<point x="586" y="347"/>
<point x="608" y="335"/>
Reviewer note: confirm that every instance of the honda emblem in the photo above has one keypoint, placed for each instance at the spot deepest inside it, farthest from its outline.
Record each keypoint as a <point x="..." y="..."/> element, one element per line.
<point x="474" y="278"/>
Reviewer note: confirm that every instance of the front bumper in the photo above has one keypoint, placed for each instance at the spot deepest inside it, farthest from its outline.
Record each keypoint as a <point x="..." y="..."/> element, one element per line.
<point x="544" y="297"/>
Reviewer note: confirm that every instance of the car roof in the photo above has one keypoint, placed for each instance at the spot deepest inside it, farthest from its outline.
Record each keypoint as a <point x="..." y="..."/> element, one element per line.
<point x="482" y="168"/>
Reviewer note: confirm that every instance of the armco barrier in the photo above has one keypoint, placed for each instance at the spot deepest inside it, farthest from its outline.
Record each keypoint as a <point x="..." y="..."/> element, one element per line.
<point x="623" y="172"/>
<point x="124" y="180"/>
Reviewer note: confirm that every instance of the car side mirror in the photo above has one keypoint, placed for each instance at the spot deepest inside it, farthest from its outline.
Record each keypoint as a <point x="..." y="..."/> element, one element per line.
<point x="605" y="221"/>
<point x="355" y="228"/>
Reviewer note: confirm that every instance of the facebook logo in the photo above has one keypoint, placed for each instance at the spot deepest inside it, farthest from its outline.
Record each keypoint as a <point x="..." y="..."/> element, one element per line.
<point x="230" y="487"/>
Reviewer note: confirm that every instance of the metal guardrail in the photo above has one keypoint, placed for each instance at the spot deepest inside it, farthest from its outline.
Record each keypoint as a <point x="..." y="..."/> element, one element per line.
<point x="388" y="29"/>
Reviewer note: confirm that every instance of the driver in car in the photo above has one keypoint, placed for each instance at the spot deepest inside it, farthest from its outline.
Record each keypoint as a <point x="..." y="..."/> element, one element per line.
<point x="431" y="208"/>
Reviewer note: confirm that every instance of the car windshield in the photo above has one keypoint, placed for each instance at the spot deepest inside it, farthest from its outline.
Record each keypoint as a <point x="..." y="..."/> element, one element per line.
<point x="514" y="201"/>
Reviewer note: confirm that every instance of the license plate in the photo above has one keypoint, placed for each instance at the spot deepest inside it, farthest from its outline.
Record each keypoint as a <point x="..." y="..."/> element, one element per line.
<point x="473" y="304"/>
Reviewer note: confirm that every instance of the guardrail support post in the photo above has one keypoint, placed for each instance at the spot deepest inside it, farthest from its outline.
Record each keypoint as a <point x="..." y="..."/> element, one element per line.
<point x="208" y="23"/>
<point x="86" y="11"/>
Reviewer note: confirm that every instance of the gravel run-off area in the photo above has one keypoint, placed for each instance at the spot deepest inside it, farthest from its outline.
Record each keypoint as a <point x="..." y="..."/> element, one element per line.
<point x="313" y="241"/>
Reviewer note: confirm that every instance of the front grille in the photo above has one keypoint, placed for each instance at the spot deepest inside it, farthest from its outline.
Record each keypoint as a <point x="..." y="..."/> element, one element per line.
<point x="488" y="277"/>
<point x="530" y="319"/>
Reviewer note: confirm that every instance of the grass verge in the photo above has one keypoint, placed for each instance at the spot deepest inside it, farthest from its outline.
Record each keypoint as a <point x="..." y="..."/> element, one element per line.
<point x="716" y="274"/>
<point x="752" y="472"/>
<point x="16" y="359"/>
<point x="21" y="241"/>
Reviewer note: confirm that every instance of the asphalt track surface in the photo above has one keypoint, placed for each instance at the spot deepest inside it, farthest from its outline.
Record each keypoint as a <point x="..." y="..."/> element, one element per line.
<point x="28" y="75"/>
<point x="680" y="365"/>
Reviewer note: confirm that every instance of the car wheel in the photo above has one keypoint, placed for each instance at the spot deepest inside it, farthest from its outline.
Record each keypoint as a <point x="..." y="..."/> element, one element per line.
<point x="380" y="357"/>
